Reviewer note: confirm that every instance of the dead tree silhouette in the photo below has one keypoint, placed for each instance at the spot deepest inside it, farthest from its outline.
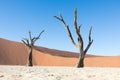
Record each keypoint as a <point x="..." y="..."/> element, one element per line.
<point x="30" y="44"/>
<point x="80" y="44"/>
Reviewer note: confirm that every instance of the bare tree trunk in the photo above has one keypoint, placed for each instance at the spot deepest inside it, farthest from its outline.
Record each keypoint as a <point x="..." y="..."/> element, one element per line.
<point x="80" y="62"/>
<point x="29" y="61"/>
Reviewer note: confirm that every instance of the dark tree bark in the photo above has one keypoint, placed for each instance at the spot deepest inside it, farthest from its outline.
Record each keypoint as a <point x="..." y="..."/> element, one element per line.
<point x="29" y="60"/>
<point x="30" y="44"/>
<point x="80" y="44"/>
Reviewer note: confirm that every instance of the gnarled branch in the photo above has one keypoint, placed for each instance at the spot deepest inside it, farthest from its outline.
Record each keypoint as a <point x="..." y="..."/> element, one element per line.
<point x="26" y="41"/>
<point x="68" y="30"/>
<point x="90" y="41"/>
<point x="77" y="29"/>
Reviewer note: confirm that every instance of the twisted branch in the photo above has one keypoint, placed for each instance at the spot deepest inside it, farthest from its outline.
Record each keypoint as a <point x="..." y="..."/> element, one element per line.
<point x="60" y="18"/>
<point x="30" y="42"/>
<point x="90" y="41"/>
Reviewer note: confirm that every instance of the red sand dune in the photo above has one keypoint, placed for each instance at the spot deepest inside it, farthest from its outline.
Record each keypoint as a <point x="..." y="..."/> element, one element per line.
<point x="15" y="53"/>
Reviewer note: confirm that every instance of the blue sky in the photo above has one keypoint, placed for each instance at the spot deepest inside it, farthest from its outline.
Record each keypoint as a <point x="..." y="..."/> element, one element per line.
<point x="17" y="17"/>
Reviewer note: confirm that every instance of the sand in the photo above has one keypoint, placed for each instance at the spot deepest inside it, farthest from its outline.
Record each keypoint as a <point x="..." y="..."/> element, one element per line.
<point x="58" y="73"/>
<point x="51" y="64"/>
<point x="15" y="53"/>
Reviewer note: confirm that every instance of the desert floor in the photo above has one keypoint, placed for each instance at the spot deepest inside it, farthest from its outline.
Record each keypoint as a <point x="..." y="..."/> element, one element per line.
<point x="58" y="73"/>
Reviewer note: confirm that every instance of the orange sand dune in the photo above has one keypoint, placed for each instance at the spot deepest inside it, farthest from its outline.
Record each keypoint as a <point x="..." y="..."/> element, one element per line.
<point x="12" y="53"/>
<point x="15" y="53"/>
<point x="50" y="60"/>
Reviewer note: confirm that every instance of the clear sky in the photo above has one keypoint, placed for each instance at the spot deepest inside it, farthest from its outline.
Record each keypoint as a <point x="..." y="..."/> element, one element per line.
<point x="17" y="17"/>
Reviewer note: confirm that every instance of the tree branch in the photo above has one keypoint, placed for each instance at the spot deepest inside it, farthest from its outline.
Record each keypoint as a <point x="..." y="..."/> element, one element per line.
<point x="90" y="41"/>
<point x="26" y="42"/>
<point x="40" y="34"/>
<point x="30" y="36"/>
<point x="32" y="40"/>
<point x="67" y="29"/>
<point x="36" y="38"/>
<point x="77" y="29"/>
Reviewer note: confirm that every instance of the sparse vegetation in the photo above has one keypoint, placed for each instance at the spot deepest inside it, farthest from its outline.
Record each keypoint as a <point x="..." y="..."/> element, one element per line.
<point x="80" y="44"/>
<point x="30" y="44"/>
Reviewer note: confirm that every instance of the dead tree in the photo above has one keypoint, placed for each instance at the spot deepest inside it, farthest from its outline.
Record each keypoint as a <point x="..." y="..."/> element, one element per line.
<point x="80" y="44"/>
<point x="30" y="44"/>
